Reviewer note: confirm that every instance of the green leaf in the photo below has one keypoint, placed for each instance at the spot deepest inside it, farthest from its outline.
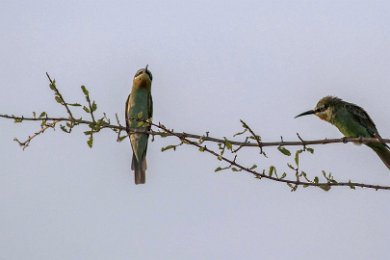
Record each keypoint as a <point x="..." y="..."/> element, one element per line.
<point x="94" y="106"/>
<point x="284" y="150"/>
<point x="218" y="169"/>
<point x="202" y="148"/>
<point x="121" y="138"/>
<point x="291" y="167"/>
<point x="18" y="120"/>
<point x="63" y="128"/>
<point x="283" y="175"/>
<point x="86" y="109"/>
<point x="163" y="149"/>
<point x="58" y="99"/>
<point x="325" y="187"/>
<point x="271" y="170"/>
<point x="85" y="90"/>
<point x="244" y="125"/>
<point x="219" y="157"/>
<point x="90" y="141"/>
<point x="42" y="115"/>
<point x="315" y="180"/>
<point x="254" y="166"/>
<point x="304" y="174"/>
<point x="296" y="158"/>
<point x="52" y="86"/>
<point x="234" y="169"/>
<point x="310" y="150"/>
<point x="140" y="124"/>
<point x="228" y="145"/>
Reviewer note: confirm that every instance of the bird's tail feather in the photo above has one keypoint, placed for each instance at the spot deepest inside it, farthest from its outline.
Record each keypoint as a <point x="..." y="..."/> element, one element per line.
<point x="383" y="152"/>
<point x="139" y="170"/>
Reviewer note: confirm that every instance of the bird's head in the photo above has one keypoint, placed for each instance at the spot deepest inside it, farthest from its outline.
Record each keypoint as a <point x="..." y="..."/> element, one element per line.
<point x="143" y="77"/>
<point x="323" y="109"/>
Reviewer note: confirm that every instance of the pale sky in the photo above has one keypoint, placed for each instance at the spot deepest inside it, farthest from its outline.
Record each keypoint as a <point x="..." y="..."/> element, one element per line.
<point x="214" y="63"/>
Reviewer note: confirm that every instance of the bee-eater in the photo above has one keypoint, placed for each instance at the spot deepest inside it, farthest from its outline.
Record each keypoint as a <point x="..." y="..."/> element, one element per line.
<point x="139" y="108"/>
<point x="352" y="121"/>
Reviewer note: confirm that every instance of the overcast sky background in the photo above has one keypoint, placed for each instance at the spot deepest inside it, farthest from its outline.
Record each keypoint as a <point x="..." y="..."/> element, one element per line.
<point x="213" y="62"/>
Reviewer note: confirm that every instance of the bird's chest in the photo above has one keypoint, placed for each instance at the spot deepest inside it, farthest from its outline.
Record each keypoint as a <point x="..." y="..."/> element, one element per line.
<point x="348" y="125"/>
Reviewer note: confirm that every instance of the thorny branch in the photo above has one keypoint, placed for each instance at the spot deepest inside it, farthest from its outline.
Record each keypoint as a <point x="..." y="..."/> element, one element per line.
<point x="96" y="124"/>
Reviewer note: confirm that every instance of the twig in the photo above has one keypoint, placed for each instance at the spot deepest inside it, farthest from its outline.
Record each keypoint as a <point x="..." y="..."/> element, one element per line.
<point x="25" y="144"/>
<point x="364" y="140"/>
<point x="254" y="136"/>
<point x="186" y="138"/>
<point x="55" y="89"/>
<point x="263" y="175"/>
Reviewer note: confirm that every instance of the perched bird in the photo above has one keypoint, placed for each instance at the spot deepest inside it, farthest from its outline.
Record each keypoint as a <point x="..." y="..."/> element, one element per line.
<point x="139" y="108"/>
<point x="352" y="121"/>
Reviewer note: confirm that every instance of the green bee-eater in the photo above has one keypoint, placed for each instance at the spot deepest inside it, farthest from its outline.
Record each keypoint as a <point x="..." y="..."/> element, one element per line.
<point x="352" y="121"/>
<point x="139" y="108"/>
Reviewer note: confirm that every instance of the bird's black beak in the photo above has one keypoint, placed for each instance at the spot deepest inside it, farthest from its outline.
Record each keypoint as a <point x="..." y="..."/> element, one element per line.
<point x="310" y="112"/>
<point x="146" y="68"/>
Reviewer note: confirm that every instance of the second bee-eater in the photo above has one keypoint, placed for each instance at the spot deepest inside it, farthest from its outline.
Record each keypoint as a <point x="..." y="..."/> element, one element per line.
<point x="139" y="109"/>
<point x="352" y="121"/>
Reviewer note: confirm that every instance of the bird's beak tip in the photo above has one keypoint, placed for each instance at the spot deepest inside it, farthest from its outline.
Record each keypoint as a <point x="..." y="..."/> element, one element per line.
<point x="310" y="112"/>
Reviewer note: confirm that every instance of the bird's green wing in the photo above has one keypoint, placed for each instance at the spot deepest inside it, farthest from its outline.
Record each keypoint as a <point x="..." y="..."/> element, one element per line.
<point x="150" y="114"/>
<point x="363" y="118"/>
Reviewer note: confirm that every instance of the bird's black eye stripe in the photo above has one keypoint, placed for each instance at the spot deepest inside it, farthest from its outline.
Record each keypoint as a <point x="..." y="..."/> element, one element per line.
<point x="149" y="74"/>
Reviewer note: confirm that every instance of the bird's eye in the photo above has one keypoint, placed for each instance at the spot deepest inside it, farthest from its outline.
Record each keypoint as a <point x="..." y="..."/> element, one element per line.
<point x="321" y="108"/>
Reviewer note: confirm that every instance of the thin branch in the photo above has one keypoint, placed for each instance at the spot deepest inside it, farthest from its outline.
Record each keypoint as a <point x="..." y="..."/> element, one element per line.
<point x="91" y="106"/>
<point x="254" y="136"/>
<point x="198" y="141"/>
<point x="57" y="92"/>
<point x="296" y="182"/>
<point x="358" y="140"/>
<point x="44" y="127"/>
